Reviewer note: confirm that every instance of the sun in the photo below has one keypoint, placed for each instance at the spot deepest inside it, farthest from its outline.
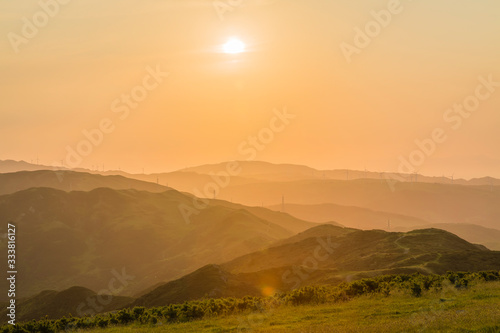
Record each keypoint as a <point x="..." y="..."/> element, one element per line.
<point x="234" y="46"/>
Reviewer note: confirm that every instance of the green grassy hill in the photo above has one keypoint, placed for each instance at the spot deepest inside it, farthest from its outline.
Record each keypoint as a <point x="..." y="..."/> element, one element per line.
<point x="353" y="254"/>
<point x="470" y="232"/>
<point x="471" y="310"/>
<point x="453" y="302"/>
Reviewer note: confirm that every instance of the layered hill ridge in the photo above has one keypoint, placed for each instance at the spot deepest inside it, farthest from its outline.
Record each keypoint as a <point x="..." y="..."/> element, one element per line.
<point x="358" y="250"/>
<point x="256" y="171"/>
<point x="327" y="254"/>
<point x="324" y="254"/>
<point x="87" y="229"/>
<point x="351" y="216"/>
<point x="81" y="238"/>
<point x="266" y="171"/>
<point x="470" y="232"/>
<point x="432" y="203"/>
<point x="360" y="203"/>
<point x="74" y="301"/>
<point x="367" y="219"/>
<point x="70" y="181"/>
<point x="209" y="281"/>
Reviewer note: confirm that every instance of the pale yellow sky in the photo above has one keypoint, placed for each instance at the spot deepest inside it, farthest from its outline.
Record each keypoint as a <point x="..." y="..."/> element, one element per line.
<point x="365" y="112"/>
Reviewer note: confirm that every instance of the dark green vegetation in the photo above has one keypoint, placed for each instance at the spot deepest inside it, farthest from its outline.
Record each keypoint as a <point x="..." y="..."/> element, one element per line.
<point x="448" y="288"/>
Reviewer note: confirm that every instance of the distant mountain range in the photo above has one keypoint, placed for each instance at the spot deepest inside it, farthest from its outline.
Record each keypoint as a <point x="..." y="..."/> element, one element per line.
<point x="406" y="203"/>
<point x="434" y="203"/>
<point x="265" y="171"/>
<point x="252" y="171"/>
<point x="70" y="181"/>
<point x="351" y="216"/>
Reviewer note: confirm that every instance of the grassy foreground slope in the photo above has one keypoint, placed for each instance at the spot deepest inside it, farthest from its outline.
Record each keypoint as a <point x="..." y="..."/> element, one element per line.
<point x="454" y="302"/>
<point x="473" y="310"/>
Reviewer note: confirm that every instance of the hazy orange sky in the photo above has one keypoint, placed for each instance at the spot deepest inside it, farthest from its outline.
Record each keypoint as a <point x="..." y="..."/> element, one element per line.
<point x="367" y="112"/>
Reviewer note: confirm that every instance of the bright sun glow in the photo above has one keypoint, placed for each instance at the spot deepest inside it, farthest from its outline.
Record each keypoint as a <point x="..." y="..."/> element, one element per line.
<point x="234" y="46"/>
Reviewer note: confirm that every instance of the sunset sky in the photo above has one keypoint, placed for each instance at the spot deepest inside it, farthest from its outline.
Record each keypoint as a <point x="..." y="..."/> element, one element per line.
<point x="367" y="111"/>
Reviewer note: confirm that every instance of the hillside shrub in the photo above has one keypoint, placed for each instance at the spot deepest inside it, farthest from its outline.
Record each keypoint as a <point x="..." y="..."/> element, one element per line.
<point x="415" y="284"/>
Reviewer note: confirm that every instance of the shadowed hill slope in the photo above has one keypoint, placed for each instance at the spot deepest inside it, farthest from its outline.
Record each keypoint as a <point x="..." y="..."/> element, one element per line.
<point x="81" y="238"/>
<point x="209" y="281"/>
<point x="470" y="232"/>
<point x="76" y="301"/>
<point x="356" y="250"/>
<point x="327" y="254"/>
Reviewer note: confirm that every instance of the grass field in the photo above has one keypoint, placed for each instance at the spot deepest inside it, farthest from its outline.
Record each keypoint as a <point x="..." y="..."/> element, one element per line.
<point x="476" y="309"/>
